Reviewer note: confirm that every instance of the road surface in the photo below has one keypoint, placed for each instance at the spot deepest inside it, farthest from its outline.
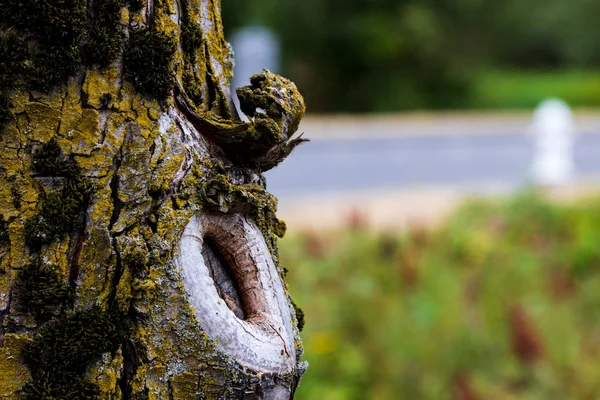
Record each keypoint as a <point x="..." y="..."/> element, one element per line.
<point x="335" y="166"/>
<point x="395" y="171"/>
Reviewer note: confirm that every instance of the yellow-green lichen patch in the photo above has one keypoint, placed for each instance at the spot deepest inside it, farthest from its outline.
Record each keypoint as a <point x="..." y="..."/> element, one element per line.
<point x="134" y="269"/>
<point x="23" y="193"/>
<point x="18" y="100"/>
<point x="56" y="253"/>
<point x="157" y="383"/>
<point x="5" y="281"/>
<point x="101" y="207"/>
<point x="166" y="18"/>
<point x="137" y="383"/>
<point x="106" y="374"/>
<point x="94" y="267"/>
<point x="101" y="88"/>
<point x="13" y="371"/>
<point x="19" y="254"/>
<point x="169" y="158"/>
<point x="43" y="121"/>
<point x="170" y="332"/>
<point x="12" y="135"/>
<point x="124" y="16"/>
<point x="154" y="113"/>
<point x="87" y="125"/>
<point x="184" y="386"/>
<point x="7" y="208"/>
<point x="146" y="127"/>
<point x="170" y="223"/>
<point x="70" y="110"/>
<point x="142" y="111"/>
<point x="82" y="136"/>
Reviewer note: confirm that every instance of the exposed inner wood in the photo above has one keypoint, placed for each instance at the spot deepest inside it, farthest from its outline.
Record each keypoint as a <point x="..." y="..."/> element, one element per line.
<point x="224" y="256"/>
<point x="220" y="272"/>
<point x="243" y="290"/>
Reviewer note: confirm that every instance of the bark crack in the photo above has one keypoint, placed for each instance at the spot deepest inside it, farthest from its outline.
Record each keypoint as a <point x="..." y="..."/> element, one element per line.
<point x="74" y="269"/>
<point x="114" y="185"/>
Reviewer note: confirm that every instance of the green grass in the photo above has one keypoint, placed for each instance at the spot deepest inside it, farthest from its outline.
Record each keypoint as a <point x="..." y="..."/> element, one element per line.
<point x="503" y="302"/>
<point x="525" y="89"/>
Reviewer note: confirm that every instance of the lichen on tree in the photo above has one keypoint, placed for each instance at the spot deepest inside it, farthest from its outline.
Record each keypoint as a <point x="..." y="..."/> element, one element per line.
<point x="125" y="176"/>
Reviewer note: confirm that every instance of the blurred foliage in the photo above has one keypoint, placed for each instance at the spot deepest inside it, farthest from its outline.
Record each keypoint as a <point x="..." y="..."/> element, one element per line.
<point x="500" y="303"/>
<point x="386" y="55"/>
<point x="524" y="89"/>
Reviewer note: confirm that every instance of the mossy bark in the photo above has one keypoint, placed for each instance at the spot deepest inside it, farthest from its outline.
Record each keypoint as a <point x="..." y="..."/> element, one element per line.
<point x="104" y="161"/>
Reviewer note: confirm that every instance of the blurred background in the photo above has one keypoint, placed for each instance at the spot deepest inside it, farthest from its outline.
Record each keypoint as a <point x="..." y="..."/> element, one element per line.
<point x="444" y="221"/>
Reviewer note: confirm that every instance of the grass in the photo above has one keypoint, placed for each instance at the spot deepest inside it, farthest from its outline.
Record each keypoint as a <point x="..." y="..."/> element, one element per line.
<point x="525" y="89"/>
<point x="501" y="303"/>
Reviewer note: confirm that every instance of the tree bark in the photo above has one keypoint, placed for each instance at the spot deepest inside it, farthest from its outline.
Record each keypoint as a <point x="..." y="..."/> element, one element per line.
<point x="138" y="254"/>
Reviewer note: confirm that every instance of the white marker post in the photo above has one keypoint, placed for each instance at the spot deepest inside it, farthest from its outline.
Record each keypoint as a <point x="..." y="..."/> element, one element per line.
<point x="553" y="128"/>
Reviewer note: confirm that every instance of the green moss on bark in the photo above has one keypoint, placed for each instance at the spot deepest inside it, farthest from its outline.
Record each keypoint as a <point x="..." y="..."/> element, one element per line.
<point x="42" y="291"/>
<point x="191" y="43"/>
<point x="148" y="60"/>
<point x="56" y="27"/>
<point x="191" y="32"/>
<point x="105" y="36"/>
<point x="136" y="5"/>
<point x="63" y="350"/>
<point x="299" y="316"/>
<point x="4" y="232"/>
<point x="43" y="43"/>
<point x="13" y="57"/>
<point x="49" y="160"/>
<point x="60" y="210"/>
<point x="5" y="115"/>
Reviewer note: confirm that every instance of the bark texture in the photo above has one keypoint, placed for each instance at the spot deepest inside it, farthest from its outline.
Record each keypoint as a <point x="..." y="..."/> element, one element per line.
<point x="138" y="255"/>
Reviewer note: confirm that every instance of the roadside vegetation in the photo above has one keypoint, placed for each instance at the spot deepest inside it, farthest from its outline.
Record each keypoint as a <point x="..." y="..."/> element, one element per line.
<point x="515" y="89"/>
<point x="502" y="302"/>
<point x="391" y="55"/>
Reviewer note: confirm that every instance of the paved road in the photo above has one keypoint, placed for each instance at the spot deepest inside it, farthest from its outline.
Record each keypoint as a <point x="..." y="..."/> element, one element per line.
<point x="334" y="166"/>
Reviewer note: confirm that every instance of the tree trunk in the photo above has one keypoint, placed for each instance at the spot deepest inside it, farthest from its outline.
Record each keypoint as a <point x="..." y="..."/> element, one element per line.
<point x="138" y="255"/>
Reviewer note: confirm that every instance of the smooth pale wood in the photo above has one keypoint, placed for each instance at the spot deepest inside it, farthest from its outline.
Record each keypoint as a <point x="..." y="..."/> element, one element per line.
<point x="264" y="341"/>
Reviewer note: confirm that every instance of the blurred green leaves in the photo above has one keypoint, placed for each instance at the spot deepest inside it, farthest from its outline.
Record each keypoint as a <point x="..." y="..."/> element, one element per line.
<point x="388" y="55"/>
<point x="500" y="302"/>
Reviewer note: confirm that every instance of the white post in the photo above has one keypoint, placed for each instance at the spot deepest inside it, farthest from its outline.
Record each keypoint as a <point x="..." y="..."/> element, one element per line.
<point x="553" y="128"/>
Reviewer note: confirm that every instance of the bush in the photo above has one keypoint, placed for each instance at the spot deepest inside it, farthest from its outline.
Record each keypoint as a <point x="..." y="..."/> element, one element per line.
<point x="500" y="302"/>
